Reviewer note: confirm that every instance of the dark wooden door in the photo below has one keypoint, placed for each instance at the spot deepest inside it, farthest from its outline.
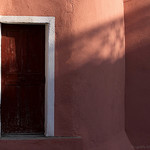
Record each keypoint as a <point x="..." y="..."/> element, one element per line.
<point x="23" y="79"/>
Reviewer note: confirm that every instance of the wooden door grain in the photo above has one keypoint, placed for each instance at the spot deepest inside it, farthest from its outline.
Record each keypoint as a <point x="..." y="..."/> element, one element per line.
<point x="23" y="79"/>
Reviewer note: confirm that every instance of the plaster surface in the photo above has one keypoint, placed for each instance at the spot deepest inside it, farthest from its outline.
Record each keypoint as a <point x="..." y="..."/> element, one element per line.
<point x="137" y="93"/>
<point x="89" y="70"/>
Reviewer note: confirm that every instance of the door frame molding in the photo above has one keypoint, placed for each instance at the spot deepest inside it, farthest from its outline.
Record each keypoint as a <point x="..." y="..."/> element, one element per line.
<point x="49" y="23"/>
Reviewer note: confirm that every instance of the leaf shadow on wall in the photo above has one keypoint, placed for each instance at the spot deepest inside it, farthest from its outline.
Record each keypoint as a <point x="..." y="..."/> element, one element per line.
<point x="89" y="84"/>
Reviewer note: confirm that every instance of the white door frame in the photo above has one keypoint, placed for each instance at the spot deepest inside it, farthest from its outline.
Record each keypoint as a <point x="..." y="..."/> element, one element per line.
<point x="49" y="62"/>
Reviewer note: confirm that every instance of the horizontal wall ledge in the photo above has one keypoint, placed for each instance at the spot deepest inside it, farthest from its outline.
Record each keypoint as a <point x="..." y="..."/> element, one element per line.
<point x="47" y="143"/>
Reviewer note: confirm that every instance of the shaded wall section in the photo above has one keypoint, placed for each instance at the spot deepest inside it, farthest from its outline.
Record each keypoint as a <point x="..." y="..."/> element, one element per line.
<point x="89" y="70"/>
<point x="137" y="93"/>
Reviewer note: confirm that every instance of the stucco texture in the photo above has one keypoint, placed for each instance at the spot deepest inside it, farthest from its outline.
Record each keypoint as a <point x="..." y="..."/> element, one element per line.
<point x="89" y="71"/>
<point x="137" y="26"/>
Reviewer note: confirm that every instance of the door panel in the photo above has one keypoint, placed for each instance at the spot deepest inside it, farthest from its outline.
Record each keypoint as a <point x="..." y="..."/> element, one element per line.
<point x="23" y="79"/>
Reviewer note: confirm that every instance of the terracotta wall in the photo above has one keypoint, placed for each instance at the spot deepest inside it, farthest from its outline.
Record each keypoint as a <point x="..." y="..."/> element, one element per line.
<point x="137" y="93"/>
<point x="89" y="72"/>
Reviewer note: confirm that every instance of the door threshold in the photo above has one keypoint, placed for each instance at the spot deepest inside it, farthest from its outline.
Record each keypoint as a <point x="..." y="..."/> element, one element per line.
<point x="22" y="136"/>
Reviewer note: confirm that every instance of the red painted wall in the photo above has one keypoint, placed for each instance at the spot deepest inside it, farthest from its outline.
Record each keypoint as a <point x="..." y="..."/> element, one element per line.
<point x="89" y="72"/>
<point x="137" y="93"/>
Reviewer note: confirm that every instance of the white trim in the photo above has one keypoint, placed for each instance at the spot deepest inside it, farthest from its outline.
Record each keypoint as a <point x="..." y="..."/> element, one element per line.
<point x="49" y="62"/>
<point x="26" y="19"/>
